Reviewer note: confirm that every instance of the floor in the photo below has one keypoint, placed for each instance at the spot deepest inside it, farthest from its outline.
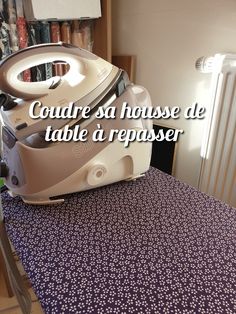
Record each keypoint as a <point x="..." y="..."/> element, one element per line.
<point x="9" y="305"/>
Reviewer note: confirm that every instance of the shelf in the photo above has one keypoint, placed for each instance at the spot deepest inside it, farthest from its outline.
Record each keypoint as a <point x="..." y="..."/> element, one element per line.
<point x="102" y="32"/>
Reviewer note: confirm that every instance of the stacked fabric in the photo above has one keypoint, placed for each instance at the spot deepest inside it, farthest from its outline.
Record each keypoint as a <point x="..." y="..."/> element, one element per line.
<point x="17" y="33"/>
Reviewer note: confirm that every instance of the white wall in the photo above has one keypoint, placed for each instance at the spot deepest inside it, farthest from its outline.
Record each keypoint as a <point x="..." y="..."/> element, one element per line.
<point x="167" y="36"/>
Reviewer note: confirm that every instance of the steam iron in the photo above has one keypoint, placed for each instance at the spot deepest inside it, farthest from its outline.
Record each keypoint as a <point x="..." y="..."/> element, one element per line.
<point x="40" y="171"/>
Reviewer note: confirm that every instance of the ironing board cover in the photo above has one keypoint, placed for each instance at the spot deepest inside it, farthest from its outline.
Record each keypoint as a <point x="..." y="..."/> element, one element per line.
<point x="154" y="245"/>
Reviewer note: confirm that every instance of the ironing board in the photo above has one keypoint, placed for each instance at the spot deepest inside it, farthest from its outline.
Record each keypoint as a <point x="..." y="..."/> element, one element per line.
<point x="154" y="245"/>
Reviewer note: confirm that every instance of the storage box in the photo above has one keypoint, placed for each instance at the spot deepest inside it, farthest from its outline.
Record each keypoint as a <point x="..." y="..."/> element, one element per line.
<point x="61" y="9"/>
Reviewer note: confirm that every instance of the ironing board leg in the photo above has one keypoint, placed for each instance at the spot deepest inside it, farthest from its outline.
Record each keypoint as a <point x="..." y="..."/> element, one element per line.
<point x="5" y="276"/>
<point x="15" y="278"/>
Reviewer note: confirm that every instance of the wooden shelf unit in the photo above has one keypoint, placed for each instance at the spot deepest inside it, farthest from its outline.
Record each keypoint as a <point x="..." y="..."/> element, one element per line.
<point x="102" y="32"/>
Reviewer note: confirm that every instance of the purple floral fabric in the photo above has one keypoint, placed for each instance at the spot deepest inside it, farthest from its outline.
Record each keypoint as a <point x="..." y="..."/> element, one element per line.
<point x="154" y="245"/>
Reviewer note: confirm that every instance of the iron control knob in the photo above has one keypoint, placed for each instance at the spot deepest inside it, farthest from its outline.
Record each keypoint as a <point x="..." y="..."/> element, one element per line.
<point x="14" y="180"/>
<point x="96" y="174"/>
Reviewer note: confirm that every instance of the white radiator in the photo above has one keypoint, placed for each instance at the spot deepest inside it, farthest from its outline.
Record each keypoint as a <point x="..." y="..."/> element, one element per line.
<point x="218" y="170"/>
